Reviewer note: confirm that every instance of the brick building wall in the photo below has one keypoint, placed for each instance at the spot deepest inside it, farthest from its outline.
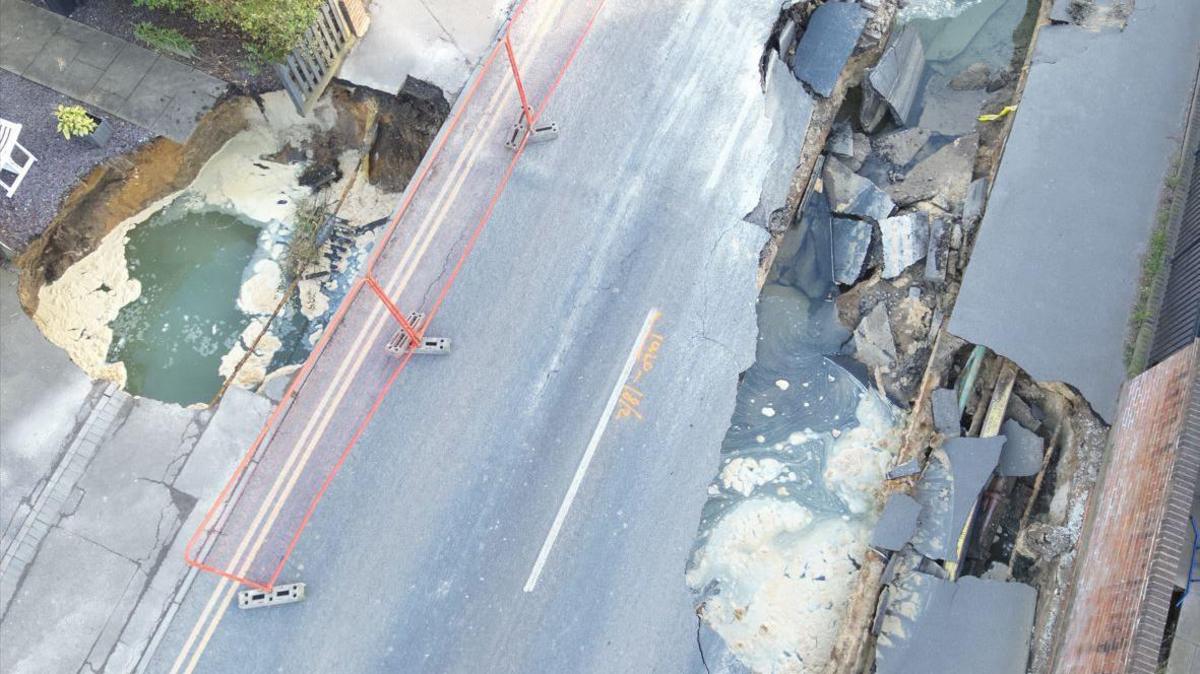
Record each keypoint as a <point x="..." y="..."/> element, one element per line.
<point x="1137" y="526"/>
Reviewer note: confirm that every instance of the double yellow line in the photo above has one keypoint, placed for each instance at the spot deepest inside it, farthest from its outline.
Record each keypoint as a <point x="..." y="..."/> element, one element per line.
<point x="250" y="544"/>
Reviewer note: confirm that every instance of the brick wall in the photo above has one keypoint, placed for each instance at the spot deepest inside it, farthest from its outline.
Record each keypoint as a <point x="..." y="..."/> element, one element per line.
<point x="1137" y="525"/>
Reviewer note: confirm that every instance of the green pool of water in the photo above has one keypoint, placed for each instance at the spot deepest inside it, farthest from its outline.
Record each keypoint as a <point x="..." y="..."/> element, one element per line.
<point x="190" y="264"/>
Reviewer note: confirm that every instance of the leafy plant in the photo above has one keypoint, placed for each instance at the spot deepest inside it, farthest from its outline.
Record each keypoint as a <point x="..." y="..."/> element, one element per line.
<point x="305" y="246"/>
<point x="74" y="120"/>
<point x="269" y="28"/>
<point x="164" y="39"/>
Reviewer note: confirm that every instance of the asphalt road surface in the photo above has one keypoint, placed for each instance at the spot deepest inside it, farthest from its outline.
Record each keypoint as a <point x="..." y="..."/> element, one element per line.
<point x="527" y="503"/>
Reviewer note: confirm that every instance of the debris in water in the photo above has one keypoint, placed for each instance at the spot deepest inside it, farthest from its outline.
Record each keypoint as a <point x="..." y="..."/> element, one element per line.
<point x="856" y="463"/>
<point x="905" y="241"/>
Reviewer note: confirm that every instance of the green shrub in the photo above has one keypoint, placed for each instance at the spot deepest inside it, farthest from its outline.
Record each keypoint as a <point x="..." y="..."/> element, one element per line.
<point x="73" y="120"/>
<point x="269" y="28"/>
<point x="164" y="39"/>
<point x="304" y="247"/>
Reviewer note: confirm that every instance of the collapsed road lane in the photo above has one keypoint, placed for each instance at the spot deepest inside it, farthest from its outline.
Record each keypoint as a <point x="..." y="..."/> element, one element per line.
<point x="420" y="556"/>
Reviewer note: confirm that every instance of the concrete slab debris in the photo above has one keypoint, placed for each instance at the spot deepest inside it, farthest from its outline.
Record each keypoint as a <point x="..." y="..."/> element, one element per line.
<point x="873" y="341"/>
<point x="826" y="45"/>
<point x="905" y="241"/>
<point x="942" y="177"/>
<point x="937" y="251"/>
<point x="1066" y="317"/>
<point x="897" y="523"/>
<point x="851" y="242"/>
<point x="852" y="194"/>
<point x="892" y="85"/>
<point x="1022" y="452"/>
<point x="947" y="418"/>
<point x="969" y="625"/>
<point x="954" y="476"/>
<point x="901" y="147"/>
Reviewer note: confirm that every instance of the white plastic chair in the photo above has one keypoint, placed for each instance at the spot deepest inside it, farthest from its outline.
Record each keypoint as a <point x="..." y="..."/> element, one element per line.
<point x="8" y="143"/>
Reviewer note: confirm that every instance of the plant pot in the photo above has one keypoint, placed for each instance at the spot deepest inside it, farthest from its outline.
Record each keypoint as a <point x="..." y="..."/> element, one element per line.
<point x="103" y="131"/>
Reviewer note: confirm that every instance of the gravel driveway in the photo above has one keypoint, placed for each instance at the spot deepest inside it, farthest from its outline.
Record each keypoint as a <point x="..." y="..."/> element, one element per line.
<point x="60" y="162"/>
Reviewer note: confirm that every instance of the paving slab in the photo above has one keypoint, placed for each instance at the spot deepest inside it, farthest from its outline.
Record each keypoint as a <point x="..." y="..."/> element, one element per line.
<point x="44" y="627"/>
<point x="1076" y="197"/>
<point x="116" y="76"/>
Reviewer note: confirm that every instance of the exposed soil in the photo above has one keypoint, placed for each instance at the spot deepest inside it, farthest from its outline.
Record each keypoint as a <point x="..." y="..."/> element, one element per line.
<point x="219" y="50"/>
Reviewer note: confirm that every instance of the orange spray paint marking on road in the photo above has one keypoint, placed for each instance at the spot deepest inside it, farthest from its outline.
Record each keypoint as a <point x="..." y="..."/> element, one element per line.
<point x="631" y="395"/>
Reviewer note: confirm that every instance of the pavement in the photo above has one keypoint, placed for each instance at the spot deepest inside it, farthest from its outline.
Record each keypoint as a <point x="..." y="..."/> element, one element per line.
<point x="439" y="42"/>
<point x="95" y="488"/>
<point x="118" y="77"/>
<point x="527" y="503"/>
<point x="1075" y="213"/>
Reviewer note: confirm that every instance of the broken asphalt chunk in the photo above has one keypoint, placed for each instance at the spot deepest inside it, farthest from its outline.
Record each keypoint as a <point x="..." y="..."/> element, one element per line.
<point x="905" y="241"/>
<point x="892" y="85"/>
<point x="942" y="177"/>
<point x="968" y="625"/>
<point x="852" y="194"/>
<point x="1022" y="453"/>
<point x="873" y="341"/>
<point x="954" y="476"/>
<point x="947" y="418"/>
<point x="827" y="43"/>
<point x="897" y="523"/>
<point x="851" y="241"/>
<point x="937" y="251"/>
